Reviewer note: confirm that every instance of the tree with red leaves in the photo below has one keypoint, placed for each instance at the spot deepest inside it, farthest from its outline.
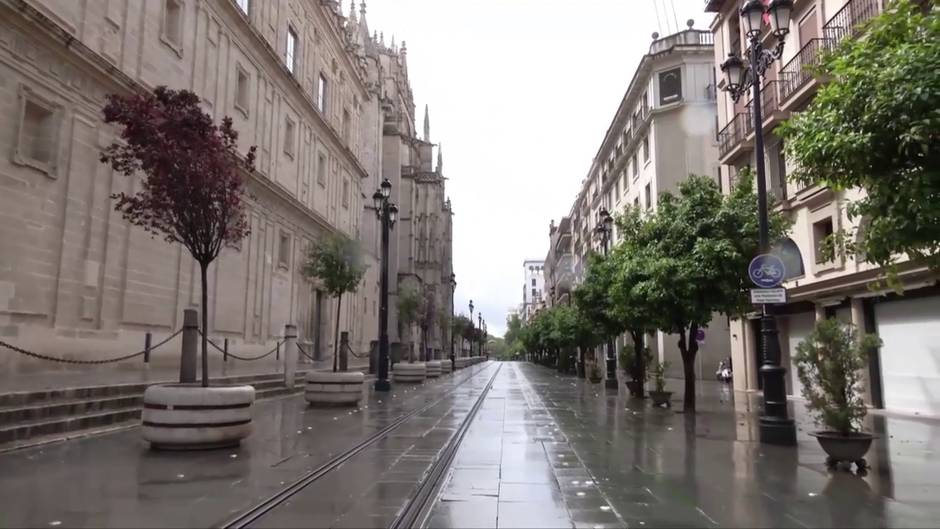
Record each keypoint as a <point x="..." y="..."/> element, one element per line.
<point x="192" y="190"/>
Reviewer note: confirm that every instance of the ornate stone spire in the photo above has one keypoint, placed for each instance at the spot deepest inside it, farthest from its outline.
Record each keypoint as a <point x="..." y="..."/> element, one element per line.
<point x="427" y="125"/>
<point x="440" y="159"/>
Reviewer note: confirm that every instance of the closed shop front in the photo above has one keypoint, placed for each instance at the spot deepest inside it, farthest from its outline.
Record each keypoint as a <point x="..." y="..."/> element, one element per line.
<point x="910" y="355"/>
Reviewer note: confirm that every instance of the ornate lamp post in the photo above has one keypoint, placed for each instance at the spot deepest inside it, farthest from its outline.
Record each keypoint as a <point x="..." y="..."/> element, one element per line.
<point x="775" y="425"/>
<point x="604" y="229"/>
<point x="453" y="288"/>
<point x="480" y="327"/>
<point x="387" y="212"/>
<point x="471" y="329"/>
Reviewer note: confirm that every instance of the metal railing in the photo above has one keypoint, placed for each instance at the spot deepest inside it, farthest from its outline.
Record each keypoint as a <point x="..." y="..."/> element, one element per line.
<point x="798" y="71"/>
<point x="847" y="21"/>
<point x="770" y="98"/>
<point x="734" y="132"/>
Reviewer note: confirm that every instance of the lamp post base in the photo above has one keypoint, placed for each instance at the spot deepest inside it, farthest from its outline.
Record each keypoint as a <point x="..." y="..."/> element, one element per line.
<point x="382" y="385"/>
<point x="776" y="431"/>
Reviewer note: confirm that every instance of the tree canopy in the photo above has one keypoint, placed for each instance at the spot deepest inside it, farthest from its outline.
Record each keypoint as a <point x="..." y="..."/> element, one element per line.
<point x="876" y="126"/>
<point x="337" y="261"/>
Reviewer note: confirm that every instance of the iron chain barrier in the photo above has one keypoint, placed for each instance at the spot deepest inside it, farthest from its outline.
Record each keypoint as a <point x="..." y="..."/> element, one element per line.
<point x="226" y="353"/>
<point x="145" y="353"/>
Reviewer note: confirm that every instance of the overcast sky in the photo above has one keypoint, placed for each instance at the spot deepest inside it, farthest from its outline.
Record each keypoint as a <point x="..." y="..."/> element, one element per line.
<point x="521" y="93"/>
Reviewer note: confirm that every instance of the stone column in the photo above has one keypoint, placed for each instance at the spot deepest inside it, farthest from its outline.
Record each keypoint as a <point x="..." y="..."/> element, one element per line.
<point x="290" y="354"/>
<point x="858" y="319"/>
<point x="190" y="346"/>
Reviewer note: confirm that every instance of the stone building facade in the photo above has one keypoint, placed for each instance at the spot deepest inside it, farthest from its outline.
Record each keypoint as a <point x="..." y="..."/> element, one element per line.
<point x="303" y="82"/>
<point x="904" y="374"/>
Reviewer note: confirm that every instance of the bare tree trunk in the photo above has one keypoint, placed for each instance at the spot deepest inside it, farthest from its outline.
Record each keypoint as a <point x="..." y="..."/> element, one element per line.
<point x="688" y="347"/>
<point x="204" y="269"/>
<point x="639" y="362"/>
<point x="339" y="304"/>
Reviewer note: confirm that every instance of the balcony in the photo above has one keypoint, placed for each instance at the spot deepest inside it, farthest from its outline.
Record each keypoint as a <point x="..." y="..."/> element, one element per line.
<point x="689" y="37"/>
<point x="799" y="80"/>
<point x="732" y="139"/>
<point x="848" y="21"/>
<point x="770" y="111"/>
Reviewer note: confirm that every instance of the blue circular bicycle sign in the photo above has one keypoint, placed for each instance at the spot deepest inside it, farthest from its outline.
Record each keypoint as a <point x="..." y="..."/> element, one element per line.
<point x="766" y="271"/>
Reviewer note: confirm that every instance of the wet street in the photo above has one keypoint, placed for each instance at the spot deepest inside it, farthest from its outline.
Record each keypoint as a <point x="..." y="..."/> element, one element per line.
<point x="539" y="450"/>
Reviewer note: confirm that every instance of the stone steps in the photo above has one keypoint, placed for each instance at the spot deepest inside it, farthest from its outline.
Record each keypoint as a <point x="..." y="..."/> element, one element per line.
<point x="30" y="418"/>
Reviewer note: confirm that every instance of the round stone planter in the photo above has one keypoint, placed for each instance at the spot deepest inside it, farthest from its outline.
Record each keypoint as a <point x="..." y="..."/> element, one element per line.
<point x="191" y="417"/>
<point x="661" y="398"/>
<point x="446" y="367"/>
<point x="433" y="368"/>
<point x="845" y="448"/>
<point x="334" y="389"/>
<point x="409" y="373"/>
<point x="461" y="362"/>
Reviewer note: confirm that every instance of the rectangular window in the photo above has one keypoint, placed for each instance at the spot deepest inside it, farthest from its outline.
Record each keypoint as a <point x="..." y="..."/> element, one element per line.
<point x="646" y="149"/>
<point x="290" y="58"/>
<point x="243" y="5"/>
<point x="173" y="24"/>
<point x="345" y="193"/>
<point x="321" y="169"/>
<point x="241" y="90"/>
<point x="533" y="293"/>
<point x="346" y="125"/>
<point x="636" y="165"/>
<point x="37" y="140"/>
<point x="289" y="137"/>
<point x="321" y="93"/>
<point x="649" y="197"/>
<point x="533" y="281"/>
<point x="636" y="202"/>
<point x="821" y="232"/>
<point x="283" y="251"/>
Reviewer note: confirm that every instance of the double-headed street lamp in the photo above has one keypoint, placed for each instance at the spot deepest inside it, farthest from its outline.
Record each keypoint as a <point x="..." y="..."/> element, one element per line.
<point x="775" y="425"/>
<point x="604" y="229"/>
<point x="453" y="289"/>
<point x="387" y="212"/>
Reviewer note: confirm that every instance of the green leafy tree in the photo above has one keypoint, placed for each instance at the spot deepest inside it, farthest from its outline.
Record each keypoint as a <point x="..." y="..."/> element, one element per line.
<point x="695" y="250"/>
<point x="829" y="364"/>
<point x="631" y="304"/>
<point x="337" y="262"/>
<point x="409" y="308"/>
<point x="427" y="317"/>
<point x="461" y="327"/>
<point x="593" y="301"/>
<point x="513" y="329"/>
<point x="876" y="126"/>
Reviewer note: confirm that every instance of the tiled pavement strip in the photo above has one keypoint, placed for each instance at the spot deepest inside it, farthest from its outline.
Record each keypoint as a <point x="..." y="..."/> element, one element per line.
<point x="549" y="450"/>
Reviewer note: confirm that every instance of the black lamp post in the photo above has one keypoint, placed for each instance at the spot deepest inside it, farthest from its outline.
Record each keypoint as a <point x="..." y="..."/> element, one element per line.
<point x="775" y="425"/>
<point x="604" y="229"/>
<point x="483" y="340"/>
<point x="453" y="288"/>
<point x="471" y="329"/>
<point x="480" y="327"/>
<point x="387" y="212"/>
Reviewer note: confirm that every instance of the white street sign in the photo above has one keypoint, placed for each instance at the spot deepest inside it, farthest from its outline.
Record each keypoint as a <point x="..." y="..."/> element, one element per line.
<point x="768" y="295"/>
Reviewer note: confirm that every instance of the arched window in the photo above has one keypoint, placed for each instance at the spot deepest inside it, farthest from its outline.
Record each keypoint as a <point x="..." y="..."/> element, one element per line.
<point x="789" y="253"/>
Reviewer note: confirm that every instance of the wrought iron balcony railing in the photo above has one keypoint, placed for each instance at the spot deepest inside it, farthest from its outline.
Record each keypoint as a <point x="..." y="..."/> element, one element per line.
<point x="734" y="132"/>
<point x="847" y="21"/>
<point x="798" y="71"/>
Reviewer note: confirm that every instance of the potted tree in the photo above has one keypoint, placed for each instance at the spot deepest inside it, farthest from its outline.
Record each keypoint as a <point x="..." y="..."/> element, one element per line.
<point x="409" y="306"/>
<point x="192" y="193"/>
<point x="638" y="377"/>
<point x="659" y="395"/>
<point x="596" y="373"/>
<point x="829" y="364"/>
<point x="426" y="321"/>
<point x="336" y="261"/>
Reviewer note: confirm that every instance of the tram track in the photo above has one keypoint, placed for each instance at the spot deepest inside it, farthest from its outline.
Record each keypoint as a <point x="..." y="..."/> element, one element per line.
<point x="416" y="506"/>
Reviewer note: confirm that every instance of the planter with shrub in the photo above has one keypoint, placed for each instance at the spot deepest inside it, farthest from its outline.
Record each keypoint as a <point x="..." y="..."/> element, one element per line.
<point x="660" y="396"/>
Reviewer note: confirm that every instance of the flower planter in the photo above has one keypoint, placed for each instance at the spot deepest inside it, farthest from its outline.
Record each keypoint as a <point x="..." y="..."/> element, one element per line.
<point x="446" y="367"/>
<point x="433" y="368"/>
<point x="661" y="398"/>
<point x="410" y="373"/>
<point x="844" y="448"/>
<point x="334" y="389"/>
<point x="191" y="417"/>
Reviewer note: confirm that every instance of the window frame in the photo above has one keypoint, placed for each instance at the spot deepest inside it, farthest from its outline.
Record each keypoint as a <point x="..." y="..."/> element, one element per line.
<point x="20" y="157"/>
<point x="291" y="49"/>
<point x="174" y="43"/>
<point x="244" y="108"/>
<point x="323" y="86"/>
<point x="290" y="132"/>
<point x="283" y="250"/>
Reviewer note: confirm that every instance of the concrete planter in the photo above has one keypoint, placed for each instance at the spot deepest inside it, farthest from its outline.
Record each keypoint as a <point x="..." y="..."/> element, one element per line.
<point x="191" y="417"/>
<point x="846" y="449"/>
<point x="334" y="389"/>
<point x="410" y="373"/>
<point x="433" y="368"/>
<point x="461" y="362"/>
<point x="661" y="398"/>
<point x="446" y="367"/>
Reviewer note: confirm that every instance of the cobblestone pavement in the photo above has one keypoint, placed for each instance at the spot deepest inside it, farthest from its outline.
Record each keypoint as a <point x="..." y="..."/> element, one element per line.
<point x="553" y="450"/>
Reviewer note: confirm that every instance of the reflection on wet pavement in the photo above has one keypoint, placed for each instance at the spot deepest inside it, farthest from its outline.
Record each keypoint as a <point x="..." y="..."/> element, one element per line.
<point x="116" y="481"/>
<point x="572" y="454"/>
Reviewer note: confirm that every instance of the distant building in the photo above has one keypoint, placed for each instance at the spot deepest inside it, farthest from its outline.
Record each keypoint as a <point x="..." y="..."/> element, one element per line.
<point x="533" y="288"/>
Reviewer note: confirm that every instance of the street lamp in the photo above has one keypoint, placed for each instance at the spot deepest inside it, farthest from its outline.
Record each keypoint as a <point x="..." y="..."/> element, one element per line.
<point x="471" y="329"/>
<point x="775" y="425"/>
<point x="453" y="288"/>
<point x="480" y="327"/>
<point x="604" y="229"/>
<point x="387" y="212"/>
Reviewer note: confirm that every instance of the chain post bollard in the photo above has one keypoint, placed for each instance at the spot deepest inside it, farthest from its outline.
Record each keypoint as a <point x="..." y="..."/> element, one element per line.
<point x="290" y="354"/>
<point x="225" y="350"/>
<point x="344" y="351"/>
<point x="190" y="345"/>
<point x="148" y="340"/>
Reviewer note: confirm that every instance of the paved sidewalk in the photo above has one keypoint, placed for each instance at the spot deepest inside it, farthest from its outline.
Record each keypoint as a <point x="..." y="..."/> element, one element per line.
<point x="115" y="480"/>
<point x="662" y="468"/>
